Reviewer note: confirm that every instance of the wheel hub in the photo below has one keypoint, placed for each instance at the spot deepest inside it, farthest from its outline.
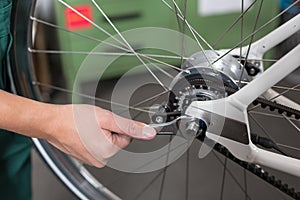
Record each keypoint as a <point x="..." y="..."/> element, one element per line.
<point x="204" y="79"/>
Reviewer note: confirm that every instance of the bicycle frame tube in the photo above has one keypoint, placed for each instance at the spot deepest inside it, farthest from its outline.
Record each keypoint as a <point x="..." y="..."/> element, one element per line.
<point x="261" y="46"/>
<point x="253" y="90"/>
<point x="235" y="106"/>
<point x="270" y="77"/>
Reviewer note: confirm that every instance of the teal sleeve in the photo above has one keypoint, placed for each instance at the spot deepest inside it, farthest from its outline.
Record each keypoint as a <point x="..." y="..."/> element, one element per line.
<point x="15" y="165"/>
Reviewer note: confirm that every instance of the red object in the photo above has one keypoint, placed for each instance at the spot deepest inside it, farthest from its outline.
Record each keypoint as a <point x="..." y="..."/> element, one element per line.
<point x="75" y="21"/>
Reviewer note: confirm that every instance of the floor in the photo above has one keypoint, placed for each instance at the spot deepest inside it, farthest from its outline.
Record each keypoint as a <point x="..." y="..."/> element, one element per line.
<point x="45" y="184"/>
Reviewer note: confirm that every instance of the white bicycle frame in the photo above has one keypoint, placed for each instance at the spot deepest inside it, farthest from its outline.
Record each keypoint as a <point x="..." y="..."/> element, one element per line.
<point x="235" y="106"/>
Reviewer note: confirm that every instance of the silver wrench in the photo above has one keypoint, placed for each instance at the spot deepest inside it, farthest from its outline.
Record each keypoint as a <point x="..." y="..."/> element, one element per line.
<point x="160" y="126"/>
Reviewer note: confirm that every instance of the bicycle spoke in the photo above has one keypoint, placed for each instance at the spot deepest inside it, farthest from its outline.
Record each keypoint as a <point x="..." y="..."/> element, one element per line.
<point x="245" y="184"/>
<point x="75" y="33"/>
<point x="163" y="63"/>
<point x="193" y="31"/>
<point x="284" y="92"/>
<point x="162" y="71"/>
<point x="287" y="146"/>
<point x="148" y="185"/>
<point x="149" y="56"/>
<point x="90" y="21"/>
<point x="88" y="96"/>
<point x="187" y="174"/>
<point x="119" y="34"/>
<point x="288" y="89"/>
<point x="164" y="56"/>
<point x="258" y="60"/>
<point x="280" y="94"/>
<point x="103" y="53"/>
<point x="261" y="127"/>
<point x="231" y="175"/>
<point x="155" y="97"/>
<point x="128" y="45"/>
<point x="292" y="123"/>
<point x="151" y="98"/>
<point x="266" y="133"/>
<point x="194" y="36"/>
<point x="233" y="24"/>
<point x="165" y="170"/>
<point x="149" y="162"/>
<point x="271" y="115"/>
<point x="251" y="40"/>
<point x="103" y="100"/>
<point x="242" y="28"/>
<point x="181" y="27"/>
<point x="257" y="31"/>
<point x="177" y="17"/>
<point x="80" y="52"/>
<point x="183" y="31"/>
<point x="188" y="24"/>
<point x="223" y="179"/>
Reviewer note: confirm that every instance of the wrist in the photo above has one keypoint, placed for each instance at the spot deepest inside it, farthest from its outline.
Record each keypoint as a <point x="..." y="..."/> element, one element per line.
<point x="40" y="120"/>
<point x="28" y="117"/>
<point x="32" y="118"/>
<point x="48" y="117"/>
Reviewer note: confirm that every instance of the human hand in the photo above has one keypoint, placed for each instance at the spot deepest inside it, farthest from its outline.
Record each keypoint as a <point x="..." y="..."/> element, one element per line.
<point x="86" y="132"/>
<point x="92" y="134"/>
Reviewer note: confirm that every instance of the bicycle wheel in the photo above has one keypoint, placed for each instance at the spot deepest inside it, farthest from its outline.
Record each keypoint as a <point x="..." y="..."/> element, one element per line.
<point x="79" y="56"/>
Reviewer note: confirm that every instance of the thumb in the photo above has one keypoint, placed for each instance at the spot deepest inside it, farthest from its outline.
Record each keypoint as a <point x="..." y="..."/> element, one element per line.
<point x="139" y="130"/>
<point x="120" y="125"/>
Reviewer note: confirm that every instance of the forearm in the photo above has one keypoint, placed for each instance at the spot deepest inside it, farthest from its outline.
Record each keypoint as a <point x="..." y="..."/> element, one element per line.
<point x="91" y="143"/>
<point x="24" y="116"/>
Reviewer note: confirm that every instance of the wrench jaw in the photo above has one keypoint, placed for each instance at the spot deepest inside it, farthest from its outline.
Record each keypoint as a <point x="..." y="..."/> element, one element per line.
<point x="226" y="125"/>
<point x="184" y="126"/>
<point x="170" y="127"/>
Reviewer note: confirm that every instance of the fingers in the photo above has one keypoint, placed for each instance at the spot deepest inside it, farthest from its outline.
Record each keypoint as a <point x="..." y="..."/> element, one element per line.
<point x="117" y="124"/>
<point x="121" y="140"/>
